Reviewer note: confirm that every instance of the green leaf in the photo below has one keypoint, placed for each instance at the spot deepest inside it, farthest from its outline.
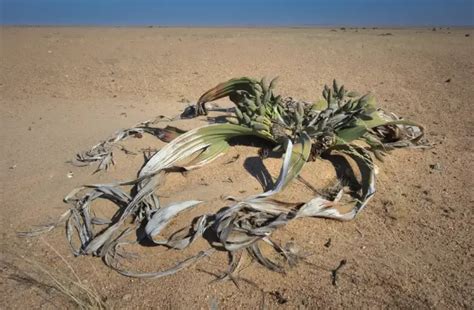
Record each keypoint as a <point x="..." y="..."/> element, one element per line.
<point x="375" y="120"/>
<point x="352" y="133"/>
<point x="209" y="154"/>
<point x="299" y="156"/>
<point x="320" y="105"/>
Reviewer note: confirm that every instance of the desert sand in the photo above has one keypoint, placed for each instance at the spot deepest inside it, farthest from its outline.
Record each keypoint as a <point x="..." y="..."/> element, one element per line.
<point x="64" y="89"/>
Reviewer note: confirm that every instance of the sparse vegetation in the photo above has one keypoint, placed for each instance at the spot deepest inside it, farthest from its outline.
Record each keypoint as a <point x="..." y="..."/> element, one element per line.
<point x="59" y="280"/>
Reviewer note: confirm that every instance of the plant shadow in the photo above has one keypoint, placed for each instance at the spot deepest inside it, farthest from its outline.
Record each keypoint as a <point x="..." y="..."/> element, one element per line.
<point x="254" y="165"/>
<point x="344" y="171"/>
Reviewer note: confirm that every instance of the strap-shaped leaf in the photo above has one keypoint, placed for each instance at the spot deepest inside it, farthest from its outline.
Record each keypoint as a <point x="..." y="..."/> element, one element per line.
<point x="161" y="218"/>
<point x="225" y="89"/>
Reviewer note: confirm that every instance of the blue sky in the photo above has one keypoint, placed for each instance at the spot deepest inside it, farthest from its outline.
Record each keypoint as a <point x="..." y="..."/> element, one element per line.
<point x="239" y="13"/>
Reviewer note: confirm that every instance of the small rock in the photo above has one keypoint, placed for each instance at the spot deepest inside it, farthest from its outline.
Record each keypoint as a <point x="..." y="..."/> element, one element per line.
<point x="467" y="35"/>
<point x="127" y="297"/>
<point x="279" y="297"/>
<point x="448" y="80"/>
<point x="12" y="167"/>
<point x="436" y="167"/>
<point x="70" y="174"/>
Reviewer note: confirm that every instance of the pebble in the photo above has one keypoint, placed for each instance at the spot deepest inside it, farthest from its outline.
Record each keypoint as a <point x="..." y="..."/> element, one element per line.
<point x="436" y="166"/>
<point x="127" y="297"/>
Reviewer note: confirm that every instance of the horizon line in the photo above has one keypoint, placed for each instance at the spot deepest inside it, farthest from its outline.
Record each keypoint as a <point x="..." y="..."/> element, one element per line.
<point x="349" y="26"/>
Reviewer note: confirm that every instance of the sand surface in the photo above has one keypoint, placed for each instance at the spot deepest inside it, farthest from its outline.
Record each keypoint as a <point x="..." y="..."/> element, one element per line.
<point x="64" y="89"/>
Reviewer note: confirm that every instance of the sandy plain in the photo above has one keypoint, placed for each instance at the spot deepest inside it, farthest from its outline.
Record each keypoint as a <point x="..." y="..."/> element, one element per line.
<point x="64" y="89"/>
